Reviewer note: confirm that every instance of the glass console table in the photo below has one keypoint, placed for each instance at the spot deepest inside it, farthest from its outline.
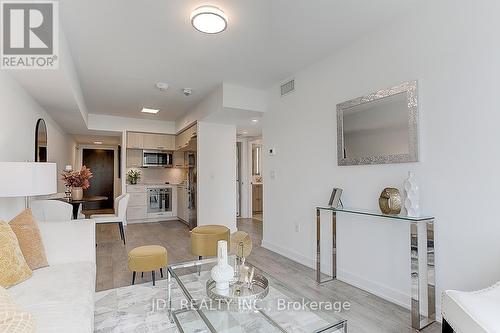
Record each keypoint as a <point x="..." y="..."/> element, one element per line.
<point x="418" y="322"/>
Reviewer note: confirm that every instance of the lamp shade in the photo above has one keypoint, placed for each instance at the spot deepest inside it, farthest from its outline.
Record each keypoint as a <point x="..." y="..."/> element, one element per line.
<point x="26" y="179"/>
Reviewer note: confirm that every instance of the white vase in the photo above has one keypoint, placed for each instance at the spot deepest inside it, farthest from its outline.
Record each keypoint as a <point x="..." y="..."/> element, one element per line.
<point x="222" y="273"/>
<point x="412" y="204"/>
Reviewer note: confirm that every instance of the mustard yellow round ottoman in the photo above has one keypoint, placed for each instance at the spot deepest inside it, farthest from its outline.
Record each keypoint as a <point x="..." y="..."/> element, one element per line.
<point x="147" y="258"/>
<point x="204" y="239"/>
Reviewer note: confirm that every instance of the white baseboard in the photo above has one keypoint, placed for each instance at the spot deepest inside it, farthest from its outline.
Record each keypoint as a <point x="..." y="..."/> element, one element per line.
<point x="381" y="290"/>
<point x="301" y="259"/>
<point x="378" y="289"/>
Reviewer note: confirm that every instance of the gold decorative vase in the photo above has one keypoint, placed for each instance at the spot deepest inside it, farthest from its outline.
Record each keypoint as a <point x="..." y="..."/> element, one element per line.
<point x="390" y="201"/>
<point x="76" y="193"/>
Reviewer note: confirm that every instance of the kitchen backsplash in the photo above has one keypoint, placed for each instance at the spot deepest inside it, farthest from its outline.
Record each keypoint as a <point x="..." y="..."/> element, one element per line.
<point x="161" y="175"/>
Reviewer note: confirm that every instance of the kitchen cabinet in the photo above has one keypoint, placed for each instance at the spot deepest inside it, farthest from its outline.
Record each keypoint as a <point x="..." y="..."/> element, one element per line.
<point x="159" y="141"/>
<point x="257" y="198"/>
<point x="137" y="204"/>
<point x="137" y="199"/>
<point x="182" y="139"/>
<point x="179" y="159"/>
<point x="167" y="142"/>
<point x="134" y="158"/>
<point x="150" y="141"/>
<point x="136" y="213"/>
<point x="135" y="140"/>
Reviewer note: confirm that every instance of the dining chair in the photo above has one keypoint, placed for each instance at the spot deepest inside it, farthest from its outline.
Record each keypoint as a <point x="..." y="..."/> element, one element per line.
<point x="51" y="210"/>
<point x="119" y="217"/>
<point x="62" y="195"/>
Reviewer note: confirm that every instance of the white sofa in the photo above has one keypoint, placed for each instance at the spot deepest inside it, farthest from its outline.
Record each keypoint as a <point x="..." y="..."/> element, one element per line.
<point x="61" y="296"/>
<point x="471" y="312"/>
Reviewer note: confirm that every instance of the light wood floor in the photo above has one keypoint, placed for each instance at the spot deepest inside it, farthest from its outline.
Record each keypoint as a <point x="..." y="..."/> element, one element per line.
<point x="368" y="313"/>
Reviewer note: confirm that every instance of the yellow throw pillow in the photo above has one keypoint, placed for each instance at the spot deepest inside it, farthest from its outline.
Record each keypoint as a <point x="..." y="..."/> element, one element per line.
<point x="26" y="229"/>
<point x="12" y="318"/>
<point x="13" y="267"/>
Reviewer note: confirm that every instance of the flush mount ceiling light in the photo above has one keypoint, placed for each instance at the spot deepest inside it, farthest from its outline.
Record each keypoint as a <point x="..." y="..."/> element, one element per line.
<point x="98" y="142"/>
<point x="209" y="19"/>
<point x="255" y="120"/>
<point x="162" y="86"/>
<point x="153" y="111"/>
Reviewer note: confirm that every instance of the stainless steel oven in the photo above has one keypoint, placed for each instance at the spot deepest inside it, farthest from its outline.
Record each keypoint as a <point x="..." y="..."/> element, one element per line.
<point x="159" y="200"/>
<point x="157" y="158"/>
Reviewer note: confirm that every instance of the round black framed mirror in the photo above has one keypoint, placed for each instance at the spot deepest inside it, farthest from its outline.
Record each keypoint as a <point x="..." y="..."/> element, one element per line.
<point x="40" y="141"/>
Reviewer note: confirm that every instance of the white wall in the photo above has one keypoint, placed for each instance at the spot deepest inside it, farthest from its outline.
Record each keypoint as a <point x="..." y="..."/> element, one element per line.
<point x="210" y="104"/>
<point x="238" y="97"/>
<point x="453" y="51"/>
<point x="216" y="174"/>
<point x="19" y="114"/>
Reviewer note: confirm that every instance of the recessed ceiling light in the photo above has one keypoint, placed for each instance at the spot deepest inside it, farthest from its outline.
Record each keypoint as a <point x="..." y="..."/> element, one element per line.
<point x="162" y="86"/>
<point x="244" y="132"/>
<point x="255" y="120"/>
<point x="209" y="19"/>
<point x="153" y="111"/>
<point x="98" y="142"/>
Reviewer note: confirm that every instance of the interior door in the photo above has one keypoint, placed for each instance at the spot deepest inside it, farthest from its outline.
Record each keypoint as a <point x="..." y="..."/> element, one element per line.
<point x="101" y="163"/>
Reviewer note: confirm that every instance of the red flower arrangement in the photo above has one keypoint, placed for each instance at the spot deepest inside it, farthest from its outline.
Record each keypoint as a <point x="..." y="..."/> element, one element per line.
<point x="77" y="178"/>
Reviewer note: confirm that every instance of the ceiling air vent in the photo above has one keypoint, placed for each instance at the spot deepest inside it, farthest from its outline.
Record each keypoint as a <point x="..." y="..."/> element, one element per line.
<point x="287" y="87"/>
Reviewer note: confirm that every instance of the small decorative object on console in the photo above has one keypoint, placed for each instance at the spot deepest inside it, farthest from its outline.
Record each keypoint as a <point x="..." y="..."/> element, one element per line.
<point x="222" y="273"/>
<point x="412" y="196"/>
<point x="78" y="181"/>
<point x="335" y="198"/>
<point x="390" y="201"/>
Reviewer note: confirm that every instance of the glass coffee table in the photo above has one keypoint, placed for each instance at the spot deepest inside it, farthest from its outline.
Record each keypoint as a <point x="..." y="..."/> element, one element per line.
<point x="281" y="310"/>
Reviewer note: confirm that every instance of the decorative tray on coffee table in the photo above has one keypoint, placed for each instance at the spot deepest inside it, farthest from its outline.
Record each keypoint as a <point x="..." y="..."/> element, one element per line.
<point x="239" y="293"/>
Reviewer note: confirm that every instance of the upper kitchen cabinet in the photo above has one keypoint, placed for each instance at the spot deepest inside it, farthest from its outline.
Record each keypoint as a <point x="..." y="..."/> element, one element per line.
<point x="168" y="141"/>
<point x="179" y="159"/>
<point x="135" y="140"/>
<point x="150" y="141"/>
<point x="134" y="158"/>
<point x="159" y="141"/>
<point x="184" y="139"/>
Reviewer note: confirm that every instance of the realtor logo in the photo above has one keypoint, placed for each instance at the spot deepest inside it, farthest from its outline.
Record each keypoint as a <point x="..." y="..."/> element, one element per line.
<point x="29" y="35"/>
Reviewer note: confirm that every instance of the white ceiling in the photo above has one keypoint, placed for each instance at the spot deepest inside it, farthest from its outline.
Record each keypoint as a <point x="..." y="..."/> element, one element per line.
<point x="122" y="47"/>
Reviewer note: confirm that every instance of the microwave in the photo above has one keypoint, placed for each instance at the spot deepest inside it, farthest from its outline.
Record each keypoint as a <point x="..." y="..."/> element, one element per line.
<point x="157" y="158"/>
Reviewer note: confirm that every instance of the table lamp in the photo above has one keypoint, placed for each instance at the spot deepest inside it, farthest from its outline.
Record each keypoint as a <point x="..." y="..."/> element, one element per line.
<point x="27" y="179"/>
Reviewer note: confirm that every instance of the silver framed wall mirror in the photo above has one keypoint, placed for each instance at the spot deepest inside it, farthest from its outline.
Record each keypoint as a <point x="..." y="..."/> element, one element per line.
<point x="40" y="141"/>
<point x="379" y="128"/>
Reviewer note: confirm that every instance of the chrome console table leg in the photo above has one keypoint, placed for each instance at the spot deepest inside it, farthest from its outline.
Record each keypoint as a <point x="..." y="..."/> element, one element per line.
<point x="334" y="245"/>
<point x="318" y="247"/>
<point x="417" y="322"/>
<point x="169" y="296"/>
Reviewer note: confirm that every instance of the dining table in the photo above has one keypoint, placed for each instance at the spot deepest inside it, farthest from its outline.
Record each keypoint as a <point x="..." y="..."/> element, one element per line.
<point x="76" y="203"/>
